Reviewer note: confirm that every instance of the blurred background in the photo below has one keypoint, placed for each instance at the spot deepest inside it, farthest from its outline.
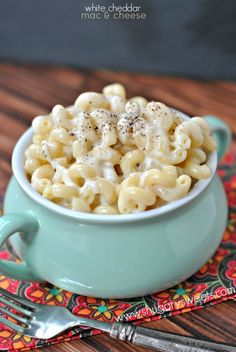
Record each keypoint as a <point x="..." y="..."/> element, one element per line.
<point x="193" y="38"/>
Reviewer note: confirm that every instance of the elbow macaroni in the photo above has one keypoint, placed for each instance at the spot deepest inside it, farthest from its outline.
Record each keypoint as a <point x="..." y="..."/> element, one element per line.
<point x="107" y="154"/>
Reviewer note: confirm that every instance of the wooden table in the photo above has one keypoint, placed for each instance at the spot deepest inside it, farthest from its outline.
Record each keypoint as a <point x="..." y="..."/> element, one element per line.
<point x="27" y="91"/>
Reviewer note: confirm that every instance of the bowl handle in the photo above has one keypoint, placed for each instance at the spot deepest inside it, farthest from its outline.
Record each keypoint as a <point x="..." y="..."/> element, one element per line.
<point x="221" y="132"/>
<point x="10" y="224"/>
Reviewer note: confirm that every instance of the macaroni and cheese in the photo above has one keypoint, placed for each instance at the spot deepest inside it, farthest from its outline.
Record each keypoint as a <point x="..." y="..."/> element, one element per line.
<point x="107" y="154"/>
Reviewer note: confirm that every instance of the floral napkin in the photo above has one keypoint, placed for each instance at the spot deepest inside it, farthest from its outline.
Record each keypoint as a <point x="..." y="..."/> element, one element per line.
<point x="214" y="283"/>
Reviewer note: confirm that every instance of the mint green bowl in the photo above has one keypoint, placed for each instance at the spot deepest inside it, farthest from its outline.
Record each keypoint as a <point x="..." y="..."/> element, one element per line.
<point x="114" y="256"/>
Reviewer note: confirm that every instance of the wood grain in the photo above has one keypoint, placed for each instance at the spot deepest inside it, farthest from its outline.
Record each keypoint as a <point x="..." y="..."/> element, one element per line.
<point x="27" y="91"/>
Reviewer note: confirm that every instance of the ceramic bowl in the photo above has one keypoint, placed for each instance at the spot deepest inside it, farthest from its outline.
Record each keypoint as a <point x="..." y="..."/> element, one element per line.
<point x="112" y="256"/>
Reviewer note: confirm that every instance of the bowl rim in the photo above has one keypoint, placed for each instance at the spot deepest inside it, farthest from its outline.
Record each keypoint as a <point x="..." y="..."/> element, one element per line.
<point x="18" y="158"/>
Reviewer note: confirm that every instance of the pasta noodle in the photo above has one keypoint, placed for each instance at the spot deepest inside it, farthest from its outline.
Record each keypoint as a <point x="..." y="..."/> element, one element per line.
<point x="107" y="154"/>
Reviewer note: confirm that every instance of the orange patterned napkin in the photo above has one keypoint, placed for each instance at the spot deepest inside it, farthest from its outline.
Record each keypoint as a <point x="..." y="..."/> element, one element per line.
<point x="213" y="283"/>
